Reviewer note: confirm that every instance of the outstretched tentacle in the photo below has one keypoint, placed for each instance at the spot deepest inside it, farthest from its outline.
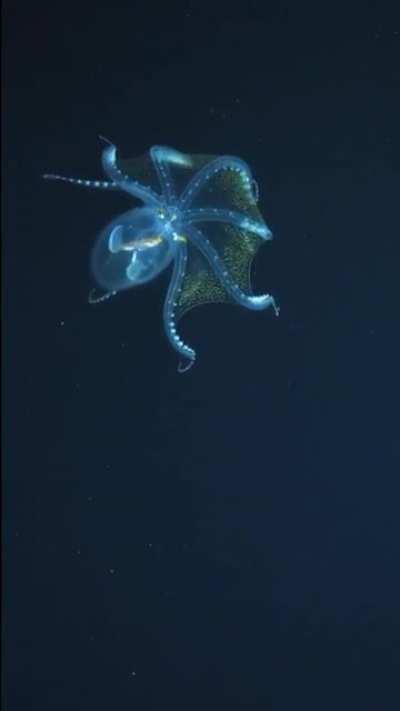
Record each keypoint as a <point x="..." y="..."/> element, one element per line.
<point x="93" y="299"/>
<point x="170" y="304"/>
<point x="100" y="184"/>
<point x="232" y="217"/>
<point x="125" y="182"/>
<point x="256" y="303"/>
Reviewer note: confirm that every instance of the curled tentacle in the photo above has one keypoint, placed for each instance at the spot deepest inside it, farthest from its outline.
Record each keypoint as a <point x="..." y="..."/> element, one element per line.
<point x="184" y="367"/>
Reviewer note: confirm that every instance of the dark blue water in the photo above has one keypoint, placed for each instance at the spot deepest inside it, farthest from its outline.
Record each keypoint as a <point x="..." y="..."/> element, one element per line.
<point x="228" y="538"/>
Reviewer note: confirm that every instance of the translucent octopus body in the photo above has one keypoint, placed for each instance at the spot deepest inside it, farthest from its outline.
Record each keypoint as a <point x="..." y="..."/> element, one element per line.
<point x="200" y="212"/>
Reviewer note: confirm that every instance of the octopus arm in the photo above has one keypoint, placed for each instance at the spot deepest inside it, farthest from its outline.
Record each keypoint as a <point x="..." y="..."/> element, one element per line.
<point x="170" y="304"/>
<point x="256" y="303"/>
<point x="98" y="184"/>
<point x="124" y="181"/>
<point x="231" y="217"/>
<point x="211" y="169"/>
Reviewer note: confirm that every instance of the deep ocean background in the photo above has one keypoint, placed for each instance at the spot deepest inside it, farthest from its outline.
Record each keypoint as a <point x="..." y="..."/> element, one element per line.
<point x="228" y="538"/>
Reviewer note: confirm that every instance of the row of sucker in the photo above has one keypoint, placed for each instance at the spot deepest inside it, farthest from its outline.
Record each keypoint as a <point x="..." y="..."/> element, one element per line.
<point x="211" y="169"/>
<point x="102" y="184"/>
<point x="170" y="305"/>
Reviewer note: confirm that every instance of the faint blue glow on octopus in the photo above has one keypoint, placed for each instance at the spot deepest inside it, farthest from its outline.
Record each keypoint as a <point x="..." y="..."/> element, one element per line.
<point x="199" y="214"/>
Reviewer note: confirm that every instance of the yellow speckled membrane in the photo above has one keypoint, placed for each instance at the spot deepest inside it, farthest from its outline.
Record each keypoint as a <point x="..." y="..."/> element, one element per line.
<point x="237" y="247"/>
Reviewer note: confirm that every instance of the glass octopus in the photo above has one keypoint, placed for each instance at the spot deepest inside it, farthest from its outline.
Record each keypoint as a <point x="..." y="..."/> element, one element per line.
<point x="200" y="212"/>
